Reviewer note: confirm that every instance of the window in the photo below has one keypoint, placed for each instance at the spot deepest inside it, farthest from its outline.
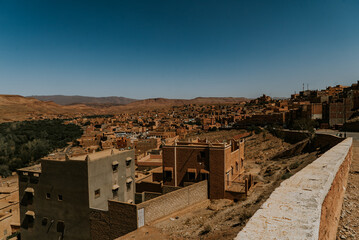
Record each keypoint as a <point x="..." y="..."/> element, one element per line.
<point x="128" y="184"/>
<point x="203" y="154"/>
<point x="204" y="176"/>
<point x="60" y="226"/>
<point x="115" y="166"/>
<point x="191" y="176"/>
<point x="236" y="166"/>
<point x="128" y="161"/>
<point x="232" y="171"/>
<point x="30" y="218"/>
<point x="97" y="193"/>
<point x="60" y="197"/>
<point x="168" y="175"/>
<point x="48" y="196"/>
<point x="44" y="221"/>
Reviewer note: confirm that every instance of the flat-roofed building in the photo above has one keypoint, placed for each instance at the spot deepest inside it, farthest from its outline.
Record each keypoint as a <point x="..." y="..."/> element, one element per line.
<point x="56" y="196"/>
<point x="222" y="164"/>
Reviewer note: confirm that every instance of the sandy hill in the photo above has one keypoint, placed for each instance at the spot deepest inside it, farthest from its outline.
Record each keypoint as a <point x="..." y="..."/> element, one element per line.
<point x="164" y="102"/>
<point x="19" y="108"/>
<point x="90" y="101"/>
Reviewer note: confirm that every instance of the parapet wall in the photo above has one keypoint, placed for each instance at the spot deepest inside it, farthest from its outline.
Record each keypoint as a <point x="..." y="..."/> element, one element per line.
<point x="307" y="205"/>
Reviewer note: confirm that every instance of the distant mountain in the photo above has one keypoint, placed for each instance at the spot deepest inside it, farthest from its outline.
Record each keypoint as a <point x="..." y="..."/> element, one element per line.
<point x="18" y="108"/>
<point x="165" y="102"/>
<point x="89" y="101"/>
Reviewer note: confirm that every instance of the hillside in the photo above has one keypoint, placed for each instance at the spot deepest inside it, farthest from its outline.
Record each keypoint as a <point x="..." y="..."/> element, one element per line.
<point x="19" y="108"/>
<point x="90" y="101"/>
<point x="165" y="102"/>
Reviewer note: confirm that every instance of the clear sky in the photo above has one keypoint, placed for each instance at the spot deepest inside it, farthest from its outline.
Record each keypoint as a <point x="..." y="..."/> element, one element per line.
<point x="176" y="49"/>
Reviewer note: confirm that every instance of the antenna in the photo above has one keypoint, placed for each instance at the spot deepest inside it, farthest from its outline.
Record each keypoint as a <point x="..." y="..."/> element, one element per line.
<point x="307" y="86"/>
<point x="303" y="87"/>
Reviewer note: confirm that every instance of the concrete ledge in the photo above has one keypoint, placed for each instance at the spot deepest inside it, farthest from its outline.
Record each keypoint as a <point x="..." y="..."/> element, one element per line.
<point x="294" y="209"/>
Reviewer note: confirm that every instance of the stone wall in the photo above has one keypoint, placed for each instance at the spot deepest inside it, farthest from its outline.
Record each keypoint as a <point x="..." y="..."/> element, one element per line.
<point x="122" y="218"/>
<point x="173" y="201"/>
<point x="307" y="205"/>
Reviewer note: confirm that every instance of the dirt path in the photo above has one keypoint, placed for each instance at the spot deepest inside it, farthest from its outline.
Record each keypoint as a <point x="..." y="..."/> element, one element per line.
<point x="349" y="219"/>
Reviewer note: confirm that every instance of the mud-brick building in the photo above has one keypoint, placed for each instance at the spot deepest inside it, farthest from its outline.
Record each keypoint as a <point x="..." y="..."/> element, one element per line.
<point x="56" y="196"/>
<point x="221" y="164"/>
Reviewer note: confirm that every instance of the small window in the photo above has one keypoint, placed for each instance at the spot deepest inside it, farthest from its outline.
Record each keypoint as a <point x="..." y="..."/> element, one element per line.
<point x="24" y="179"/>
<point x="25" y="173"/>
<point x="60" y="197"/>
<point x="60" y="226"/>
<point x="48" y="196"/>
<point x="36" y="175"/>
<point x="203" y="154"/>
<point x="168" y="175"/>
<point x="114" y="166"/>
<point x="232" y="171"/>
<point x="128" y="186"/>
<point x="236" y="166"/>
<point x="44" y="221"/>
<point x="97" y="193"/>
<point x="5" y="232"/>
<point x="191" y="176"/>
<point x="128" y="161"/>
<point x="204" y="176"/>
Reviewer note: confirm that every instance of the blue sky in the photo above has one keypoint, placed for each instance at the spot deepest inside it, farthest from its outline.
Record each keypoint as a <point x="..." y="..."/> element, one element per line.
<point x="176" y="49"/>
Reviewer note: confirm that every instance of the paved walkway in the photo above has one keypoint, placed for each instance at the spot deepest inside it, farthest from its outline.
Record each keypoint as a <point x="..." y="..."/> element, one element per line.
<point x="349" y="219"/>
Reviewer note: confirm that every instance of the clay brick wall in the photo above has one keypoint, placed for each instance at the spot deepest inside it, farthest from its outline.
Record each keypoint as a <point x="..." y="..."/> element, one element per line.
<point x="186" y="158"/>
<point x="99" y="225"/>
<point x="168" y="189"/>
<point x="217" y="174"/>
<point x="151" y="195"/>
<point x="332" y="205"/>
<point x="148" y="187"/>
<point x="122" y="217"/>
<point x="308" y="204"/>
<point x="174" y="201"/>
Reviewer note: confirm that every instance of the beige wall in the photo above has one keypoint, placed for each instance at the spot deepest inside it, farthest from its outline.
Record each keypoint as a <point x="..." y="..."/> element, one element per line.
<point x="174" y="201"/>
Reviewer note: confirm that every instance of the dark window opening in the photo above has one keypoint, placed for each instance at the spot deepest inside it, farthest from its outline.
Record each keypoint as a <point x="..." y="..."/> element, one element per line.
<point x="24" y="178"/>
<point x="60" y="197"/>
<point x="191" y="176"/>
<point x="204" y="176"/>
<point x="115" y="167"/>
<point x="44" y="221"/>
<point x="128" y="162"/>
<point x="168" y="175"/>
<point x="128" y="186"/>
<point x="97" y="193"/>
<point x="48" y="196"/>
<point x="60" y="226"/>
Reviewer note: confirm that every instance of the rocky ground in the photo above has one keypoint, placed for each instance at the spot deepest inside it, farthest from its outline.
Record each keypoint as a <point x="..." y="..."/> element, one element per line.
<point x="349" y="219"/>
<point x="223" y="219"/>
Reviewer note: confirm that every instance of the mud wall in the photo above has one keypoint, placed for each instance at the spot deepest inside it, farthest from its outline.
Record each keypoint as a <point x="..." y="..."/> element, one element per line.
<point x="307" y="205"/>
